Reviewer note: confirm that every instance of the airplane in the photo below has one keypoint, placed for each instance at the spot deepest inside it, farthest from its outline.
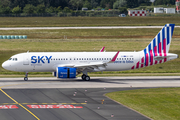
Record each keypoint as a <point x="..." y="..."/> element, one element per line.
<point x="70" y="64"/>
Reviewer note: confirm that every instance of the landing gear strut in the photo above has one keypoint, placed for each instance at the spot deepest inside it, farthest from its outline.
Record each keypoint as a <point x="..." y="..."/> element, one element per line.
<point x="26" y="76"/>
<point x="85" y="77"/>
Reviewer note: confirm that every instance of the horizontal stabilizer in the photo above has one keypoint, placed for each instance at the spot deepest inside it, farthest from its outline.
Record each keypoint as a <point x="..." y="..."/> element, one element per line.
<point x="170" y="55"/>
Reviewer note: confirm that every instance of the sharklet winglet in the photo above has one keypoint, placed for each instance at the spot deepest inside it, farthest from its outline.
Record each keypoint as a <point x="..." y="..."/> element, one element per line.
<point x="114" y="58"/>
<point x="102" y="49"/>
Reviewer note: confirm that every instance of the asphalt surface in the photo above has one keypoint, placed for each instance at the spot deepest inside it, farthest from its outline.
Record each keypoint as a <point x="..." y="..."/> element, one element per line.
<point x="89" y="99"/>
<point x="84" y="97"/>
<point x="95" y="82"/>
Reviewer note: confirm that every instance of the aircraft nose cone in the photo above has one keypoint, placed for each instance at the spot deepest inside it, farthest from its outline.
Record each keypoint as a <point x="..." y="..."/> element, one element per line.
<point x="5" y="65"/>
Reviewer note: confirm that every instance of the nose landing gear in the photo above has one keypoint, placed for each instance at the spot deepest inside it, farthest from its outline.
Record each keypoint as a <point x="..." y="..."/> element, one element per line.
<point x="26" y="76"/>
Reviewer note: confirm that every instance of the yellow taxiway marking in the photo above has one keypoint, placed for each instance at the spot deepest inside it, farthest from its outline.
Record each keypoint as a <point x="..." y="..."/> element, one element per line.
<point x="19" y="104"/>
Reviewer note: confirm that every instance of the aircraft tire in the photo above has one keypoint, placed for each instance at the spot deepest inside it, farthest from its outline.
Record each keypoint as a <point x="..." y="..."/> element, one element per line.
<point x="25" y="79"/>
<point x="87" y="78"/>
<point x="83" y="77"/>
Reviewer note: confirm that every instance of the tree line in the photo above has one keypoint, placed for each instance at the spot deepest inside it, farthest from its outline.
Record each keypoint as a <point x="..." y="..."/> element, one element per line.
<point x="56" y="6"/>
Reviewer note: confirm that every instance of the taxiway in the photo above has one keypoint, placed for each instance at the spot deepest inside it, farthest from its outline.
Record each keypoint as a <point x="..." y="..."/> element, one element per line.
<point x="67" y="99"/>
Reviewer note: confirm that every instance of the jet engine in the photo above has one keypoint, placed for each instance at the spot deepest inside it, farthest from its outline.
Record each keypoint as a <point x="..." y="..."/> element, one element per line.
<point x="65" y="72"/>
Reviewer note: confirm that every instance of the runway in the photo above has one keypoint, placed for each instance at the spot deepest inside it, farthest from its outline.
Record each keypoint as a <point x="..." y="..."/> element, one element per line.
<point x="72" y="99"/>
<point x="95" y="82"/>
<point x="99" y="27"/>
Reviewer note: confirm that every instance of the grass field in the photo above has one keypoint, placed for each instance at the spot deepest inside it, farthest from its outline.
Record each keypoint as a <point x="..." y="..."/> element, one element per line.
<point x="85" y="21"/>
<point x="89" y="33"/>
<point x="157" y="103"/>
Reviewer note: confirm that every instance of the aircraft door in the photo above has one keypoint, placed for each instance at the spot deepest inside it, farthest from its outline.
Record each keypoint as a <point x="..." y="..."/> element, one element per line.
<point x="26" y="59"/>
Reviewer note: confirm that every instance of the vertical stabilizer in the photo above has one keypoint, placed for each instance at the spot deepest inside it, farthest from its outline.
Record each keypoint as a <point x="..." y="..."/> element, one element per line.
<point x="156" y="52"/>
<point x="159" y="46"/>
<point x="161" y="43"/>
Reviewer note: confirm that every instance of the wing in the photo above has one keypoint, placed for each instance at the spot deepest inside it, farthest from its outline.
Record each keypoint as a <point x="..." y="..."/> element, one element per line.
<point x="92" y="66"/>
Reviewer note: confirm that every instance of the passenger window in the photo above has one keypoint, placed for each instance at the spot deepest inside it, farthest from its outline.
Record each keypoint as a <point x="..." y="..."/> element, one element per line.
<point x="15" y="59"/>
<point x="89" y="58"/>
<point x="79" y="58"/>
<point x="84" y="58"/>
<point x="94" y="58"/>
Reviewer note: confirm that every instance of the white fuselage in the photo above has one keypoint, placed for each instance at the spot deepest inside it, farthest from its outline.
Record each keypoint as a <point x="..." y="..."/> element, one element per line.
<point x="48" y="61"/>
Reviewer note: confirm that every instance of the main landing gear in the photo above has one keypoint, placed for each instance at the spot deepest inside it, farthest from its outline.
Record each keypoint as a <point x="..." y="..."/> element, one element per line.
<point x="85" y="77"/>
<point x="26" y="76"/>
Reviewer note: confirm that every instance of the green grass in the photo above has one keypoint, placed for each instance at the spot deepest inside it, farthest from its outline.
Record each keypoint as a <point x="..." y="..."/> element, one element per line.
<point x="85" y="21"/>
<point x="94" y="34"/>
<point x="158" y="103"/>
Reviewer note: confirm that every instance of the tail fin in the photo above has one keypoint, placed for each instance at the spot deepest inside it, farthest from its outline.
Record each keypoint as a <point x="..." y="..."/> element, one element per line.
<point x="161" y="43"/>
<point x="156" y="51"/>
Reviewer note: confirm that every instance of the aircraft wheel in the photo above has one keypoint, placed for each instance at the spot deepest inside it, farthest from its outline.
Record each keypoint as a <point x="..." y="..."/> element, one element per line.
<point x="83" y="77"/>
<point x="25" y="79"/>
<point x="87" y="78"/>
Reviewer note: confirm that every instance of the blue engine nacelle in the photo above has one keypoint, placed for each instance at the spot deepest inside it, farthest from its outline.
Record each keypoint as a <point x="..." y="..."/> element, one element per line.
<point x="65" y="72"/>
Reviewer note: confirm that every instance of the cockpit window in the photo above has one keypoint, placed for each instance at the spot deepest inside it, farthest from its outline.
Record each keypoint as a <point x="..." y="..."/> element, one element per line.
<point x="14" y="59"/>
